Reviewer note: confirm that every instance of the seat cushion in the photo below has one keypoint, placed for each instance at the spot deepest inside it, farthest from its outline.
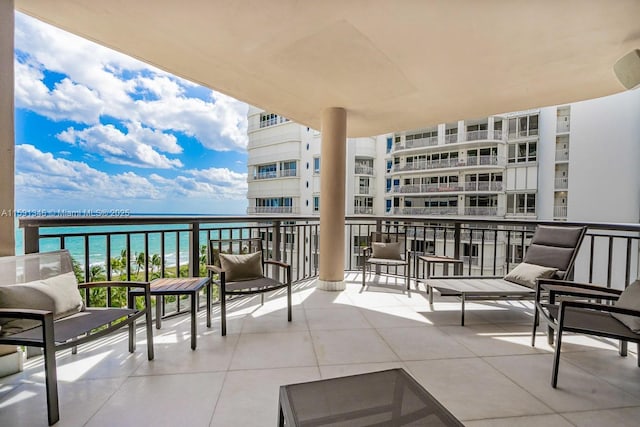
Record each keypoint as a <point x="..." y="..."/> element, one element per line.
<point x="526" y="274"/>
<point x="58" y="294"/>
<point x="241" y="267"/>
<point x="630" y="298"/>
<point x="392" y="250"/>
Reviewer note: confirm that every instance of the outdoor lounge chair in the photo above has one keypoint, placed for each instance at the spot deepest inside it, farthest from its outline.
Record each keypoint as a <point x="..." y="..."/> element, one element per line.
<point x="580" y="314"/>
<point x="388" y="250"/>
<point x="552" y="253"/>
<point x="240" y="266"/>
<point x="40" y="306"/>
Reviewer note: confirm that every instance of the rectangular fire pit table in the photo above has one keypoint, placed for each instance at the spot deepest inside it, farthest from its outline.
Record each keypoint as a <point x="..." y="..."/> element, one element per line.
<point x="182" y="286"/>
<point x="390" y="397"/>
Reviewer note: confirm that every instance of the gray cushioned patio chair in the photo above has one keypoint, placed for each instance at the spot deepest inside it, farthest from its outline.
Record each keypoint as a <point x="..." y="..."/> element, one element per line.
<point x="387" y="250"/>
<point x="34" y="288"/>
<point x="577" y="311"/>
<point x="552" y="247"/>
<point x="239" y="267"/>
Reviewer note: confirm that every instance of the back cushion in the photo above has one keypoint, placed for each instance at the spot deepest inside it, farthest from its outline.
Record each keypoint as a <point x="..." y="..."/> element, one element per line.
<point x="630" y="298"/>
<point x="241" y="267"/>
<point x="387" y="250"/>
<point x="554" y="247"/>
<point x="58" y="294"/>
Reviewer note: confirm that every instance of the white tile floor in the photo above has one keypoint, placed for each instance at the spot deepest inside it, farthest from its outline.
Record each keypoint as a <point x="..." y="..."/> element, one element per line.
<point x="486" y="373"/>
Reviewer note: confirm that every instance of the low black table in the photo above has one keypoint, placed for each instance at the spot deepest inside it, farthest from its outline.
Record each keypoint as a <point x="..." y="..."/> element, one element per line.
<point x="384" y="398"/>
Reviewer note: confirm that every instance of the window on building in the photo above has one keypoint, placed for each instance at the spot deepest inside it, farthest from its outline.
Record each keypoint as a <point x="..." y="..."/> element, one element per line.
<point x="266" y="171"/>
<point x="389" y="144"/>
<point x="316" y="203"/>
<point x="521" y="204"/>
<point x="270" y="119"/>
<point x="389" y="165"/>
<point x="520" y="127"/>
<point x="288" y="168"/>
<point x="523" y="152"/>
<point x="316" y="165"/>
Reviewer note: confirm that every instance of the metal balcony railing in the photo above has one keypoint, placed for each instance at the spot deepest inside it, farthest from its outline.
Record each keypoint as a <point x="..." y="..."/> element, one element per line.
<point x="483" y="186"/>
<point x="148" y="247"/>
<point x="481" y="210"/>
<point x="271" y="209"/>
<point x="364" y="170"/>
<point x="562" y="155"/>
<point x="480" y="135"/>
<point x="288" y="172"/>
<point x="560" y="211"/>
<point x="562" y="183"/>
<point x="451" y="138"/>
<point x="266" y="175"/>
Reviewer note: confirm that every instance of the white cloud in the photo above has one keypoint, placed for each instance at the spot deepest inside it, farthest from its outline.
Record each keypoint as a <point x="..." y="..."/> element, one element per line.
<point x="134" y="148"/>
<point x="102" y="82"/>
<point x="42" y="175"/>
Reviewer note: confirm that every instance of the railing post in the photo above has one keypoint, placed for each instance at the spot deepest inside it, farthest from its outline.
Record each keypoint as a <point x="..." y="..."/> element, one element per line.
<point x="31" y="239"/>
<point x="276" y="247"/>
<point x="194" y="252"/>
<point x="456" y="240"/>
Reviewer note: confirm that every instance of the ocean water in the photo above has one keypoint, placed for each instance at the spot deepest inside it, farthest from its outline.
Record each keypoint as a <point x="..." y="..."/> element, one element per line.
<point x="97" y="244"/>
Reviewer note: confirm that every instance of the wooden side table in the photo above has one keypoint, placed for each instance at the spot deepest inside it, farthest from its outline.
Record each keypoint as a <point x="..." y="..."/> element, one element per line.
<point x="182" y="286"/>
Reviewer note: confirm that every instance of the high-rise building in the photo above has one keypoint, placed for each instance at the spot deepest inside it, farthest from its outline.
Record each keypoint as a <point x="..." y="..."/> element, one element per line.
<point x="576" y="162"/>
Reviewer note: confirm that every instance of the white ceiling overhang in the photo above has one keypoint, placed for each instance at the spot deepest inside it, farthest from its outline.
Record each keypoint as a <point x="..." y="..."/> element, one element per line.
<point x="392" y="64"/>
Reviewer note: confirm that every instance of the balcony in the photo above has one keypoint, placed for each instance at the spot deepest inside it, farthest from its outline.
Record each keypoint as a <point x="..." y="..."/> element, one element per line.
<point x="363" y="210"/>
<point x="416" y="143"/>
<point x="562" y="155"/>
<point x="560" y="211"/>
<point x="283" y="173"/>
<point x="562" y="183"/>
<point x="481" y="135"/>
<point x="366" y="190"/>
<point x="483" y="186"/>
<point x="364" y="170"/>
<point x="271" y="210"/>
<point x="481" y="210"/>
<point x="502" y="379"/>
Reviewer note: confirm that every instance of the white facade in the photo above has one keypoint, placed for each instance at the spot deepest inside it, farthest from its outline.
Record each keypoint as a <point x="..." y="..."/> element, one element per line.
<point x="577" y="162"/>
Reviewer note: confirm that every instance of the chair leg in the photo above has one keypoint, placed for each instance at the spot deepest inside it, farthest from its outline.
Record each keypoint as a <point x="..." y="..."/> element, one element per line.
<point x="462" y="314"/>
<point x="262" y="299"/>
<point x="550" y="335"/>
<point x="556" y="359"/>
<point x="364" y="272"/>
<point x="289" y="302"/>
<point x="50" y="373"/>
<point x="535" y="326"/>
<point x="149" y="326"/>
<point x="223" y="311"/>
<point x="638" y="353"/>
<point x="622" y="348"/>
<point x="132" y="326"/>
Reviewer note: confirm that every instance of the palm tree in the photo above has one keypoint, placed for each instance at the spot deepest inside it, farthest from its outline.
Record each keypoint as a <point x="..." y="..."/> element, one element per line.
<point x="96" y="273"/>
<point x="156" y="264"/>
<point x="140" y="260"/>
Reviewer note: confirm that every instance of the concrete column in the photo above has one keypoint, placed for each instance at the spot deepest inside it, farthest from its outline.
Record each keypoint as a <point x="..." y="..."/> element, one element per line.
<point x="7" y="143"/>
<point x="332" y="192"/>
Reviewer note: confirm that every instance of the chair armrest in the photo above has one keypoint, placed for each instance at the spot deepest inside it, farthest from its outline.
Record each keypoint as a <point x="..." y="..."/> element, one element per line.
<point x="584" y="290"/>
<point x="25" y="313"/>
<point x="366" y="249"/>
<point x="599" y="307"/>
<point x="115" y="284"/>
<point x="278" y="263"/>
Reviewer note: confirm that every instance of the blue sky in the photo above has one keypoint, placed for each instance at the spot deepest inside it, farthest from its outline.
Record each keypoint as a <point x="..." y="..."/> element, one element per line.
<point x="96" y="129"/>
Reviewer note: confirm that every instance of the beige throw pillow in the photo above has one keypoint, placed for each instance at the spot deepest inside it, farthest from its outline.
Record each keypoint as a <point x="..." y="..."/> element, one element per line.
<point x="630" y="298"/>
<point x="387" y="250"/>
<point x="526" y="274"/>
<point x="58" y="294"/>
<point x="241" y="267"/>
